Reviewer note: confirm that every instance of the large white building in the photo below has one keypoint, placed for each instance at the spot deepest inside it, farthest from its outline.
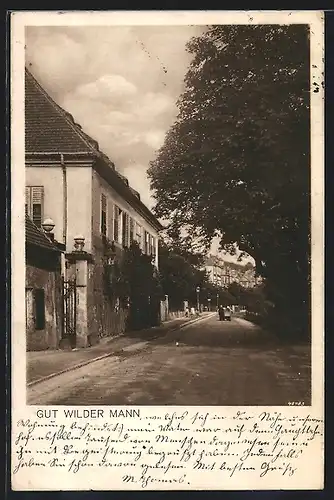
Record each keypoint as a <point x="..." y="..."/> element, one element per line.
<point x="69" y="180"/>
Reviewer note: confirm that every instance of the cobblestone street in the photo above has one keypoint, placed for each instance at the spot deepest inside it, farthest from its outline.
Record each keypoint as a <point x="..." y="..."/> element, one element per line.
<point x="206" y="363"/>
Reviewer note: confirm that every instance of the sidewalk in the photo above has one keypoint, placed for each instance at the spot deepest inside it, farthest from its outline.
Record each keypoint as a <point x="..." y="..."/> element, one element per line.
<point x="42" y="364"/>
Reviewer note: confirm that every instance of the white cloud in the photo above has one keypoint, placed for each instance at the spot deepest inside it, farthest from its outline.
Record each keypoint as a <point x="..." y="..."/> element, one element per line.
<point x="57" y="60"/>
<point x="120" y="83"/>
<point x="119" y="117"/>
<point x="107" y="88"/>
<point x="157" y="103"/>
<point x="155" y="138"/>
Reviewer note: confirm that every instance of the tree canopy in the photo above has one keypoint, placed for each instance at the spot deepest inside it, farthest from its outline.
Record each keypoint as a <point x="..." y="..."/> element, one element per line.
<point x="179" y="274"/>
<point x="237" y="159"/>
<point x="138" y="285"/>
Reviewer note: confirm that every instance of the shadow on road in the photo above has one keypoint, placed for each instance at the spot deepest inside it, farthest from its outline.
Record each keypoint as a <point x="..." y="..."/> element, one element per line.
<point x="219" y="334"/>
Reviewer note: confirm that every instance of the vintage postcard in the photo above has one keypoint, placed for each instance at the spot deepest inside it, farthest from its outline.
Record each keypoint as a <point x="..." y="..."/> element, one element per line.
<point x="167" y="250"/>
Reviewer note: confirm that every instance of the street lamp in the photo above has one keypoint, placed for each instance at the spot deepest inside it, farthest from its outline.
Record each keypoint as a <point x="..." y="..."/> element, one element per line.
<point x="217" y="300"/>
<point x="197" y="291"/>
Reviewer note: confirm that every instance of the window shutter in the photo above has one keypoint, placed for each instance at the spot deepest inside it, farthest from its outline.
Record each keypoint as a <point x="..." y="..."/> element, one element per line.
<point x="147" y="243"/>
<point x="131" y="230"/>
<point x="37" y="194"/>
<point x="104" y="202"/>
<point x="127" y="229"/>
<point x="120" y="225"/>
<point x="139" y="235"/>
<point x="116" y="225"/>
<point x="37" y="199"/>
<point x="111" y="221"/>
<point x="28" y="201"/>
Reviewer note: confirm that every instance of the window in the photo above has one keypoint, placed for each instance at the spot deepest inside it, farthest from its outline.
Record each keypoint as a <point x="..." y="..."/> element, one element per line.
<point x="103" y="218"/>
<point x="150" y="249"/>
<point x="34" y="203"/>
<point x="153" y="246"/>
<point x="138" y="235"/>
<point x="147" y="243"/>
<point x="131" y="230"/>
<point x="118" y="224"/>
<point x="116" y="215"/>
<point x="39" y="308"/>
<point x="110" y="222"/>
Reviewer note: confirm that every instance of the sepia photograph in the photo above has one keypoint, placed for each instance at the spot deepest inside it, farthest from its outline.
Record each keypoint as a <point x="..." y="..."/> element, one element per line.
<point x="167" y="246"/>
<point x="167" y="214"/>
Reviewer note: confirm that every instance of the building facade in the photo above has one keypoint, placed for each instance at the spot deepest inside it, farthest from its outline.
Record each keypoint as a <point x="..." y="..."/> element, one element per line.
<point x="71" y="181"/>
<point x="222" y="273"/>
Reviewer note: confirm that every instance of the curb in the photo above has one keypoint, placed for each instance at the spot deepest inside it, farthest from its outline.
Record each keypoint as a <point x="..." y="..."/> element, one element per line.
<point x="196" y="320"/>
<point x="75" y="367"/>
<point x="103" y="356"/>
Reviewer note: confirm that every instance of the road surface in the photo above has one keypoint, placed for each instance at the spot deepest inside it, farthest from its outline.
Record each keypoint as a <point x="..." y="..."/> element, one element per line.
<point x="207" y="363"/>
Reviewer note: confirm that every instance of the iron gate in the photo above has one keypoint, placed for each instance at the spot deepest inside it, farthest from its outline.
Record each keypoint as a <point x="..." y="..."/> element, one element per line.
<point x="70" y="311"/>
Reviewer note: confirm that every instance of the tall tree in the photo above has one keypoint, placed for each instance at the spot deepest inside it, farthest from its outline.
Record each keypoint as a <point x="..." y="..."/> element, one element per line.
<point x="139" y="283"/>
<point x="179" y="274"/>
<point x="237" y="158"/>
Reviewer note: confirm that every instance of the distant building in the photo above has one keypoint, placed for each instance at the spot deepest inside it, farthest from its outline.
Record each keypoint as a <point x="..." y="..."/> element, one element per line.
<point x="222" y="273"/>
<point x="43" y="289"/>
<point x="70" y="180"/>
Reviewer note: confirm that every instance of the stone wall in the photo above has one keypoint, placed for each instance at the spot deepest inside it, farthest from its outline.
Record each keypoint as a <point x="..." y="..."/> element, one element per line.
<point x="105" y="317"/>
<point x="50" y="282"/>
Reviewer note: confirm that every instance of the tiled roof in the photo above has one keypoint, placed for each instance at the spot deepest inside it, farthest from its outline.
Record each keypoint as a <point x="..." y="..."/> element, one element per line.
<point x="51" y="129"/>
<point x="48" y="128"/>
<point x="34" y="236"/>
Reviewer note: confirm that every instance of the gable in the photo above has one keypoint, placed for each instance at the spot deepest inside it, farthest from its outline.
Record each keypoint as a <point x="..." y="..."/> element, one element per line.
<point x="48" y="128"/>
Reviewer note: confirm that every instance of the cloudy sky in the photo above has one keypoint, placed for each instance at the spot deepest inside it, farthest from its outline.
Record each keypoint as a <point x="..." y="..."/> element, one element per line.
<point x="120" y="83"/>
